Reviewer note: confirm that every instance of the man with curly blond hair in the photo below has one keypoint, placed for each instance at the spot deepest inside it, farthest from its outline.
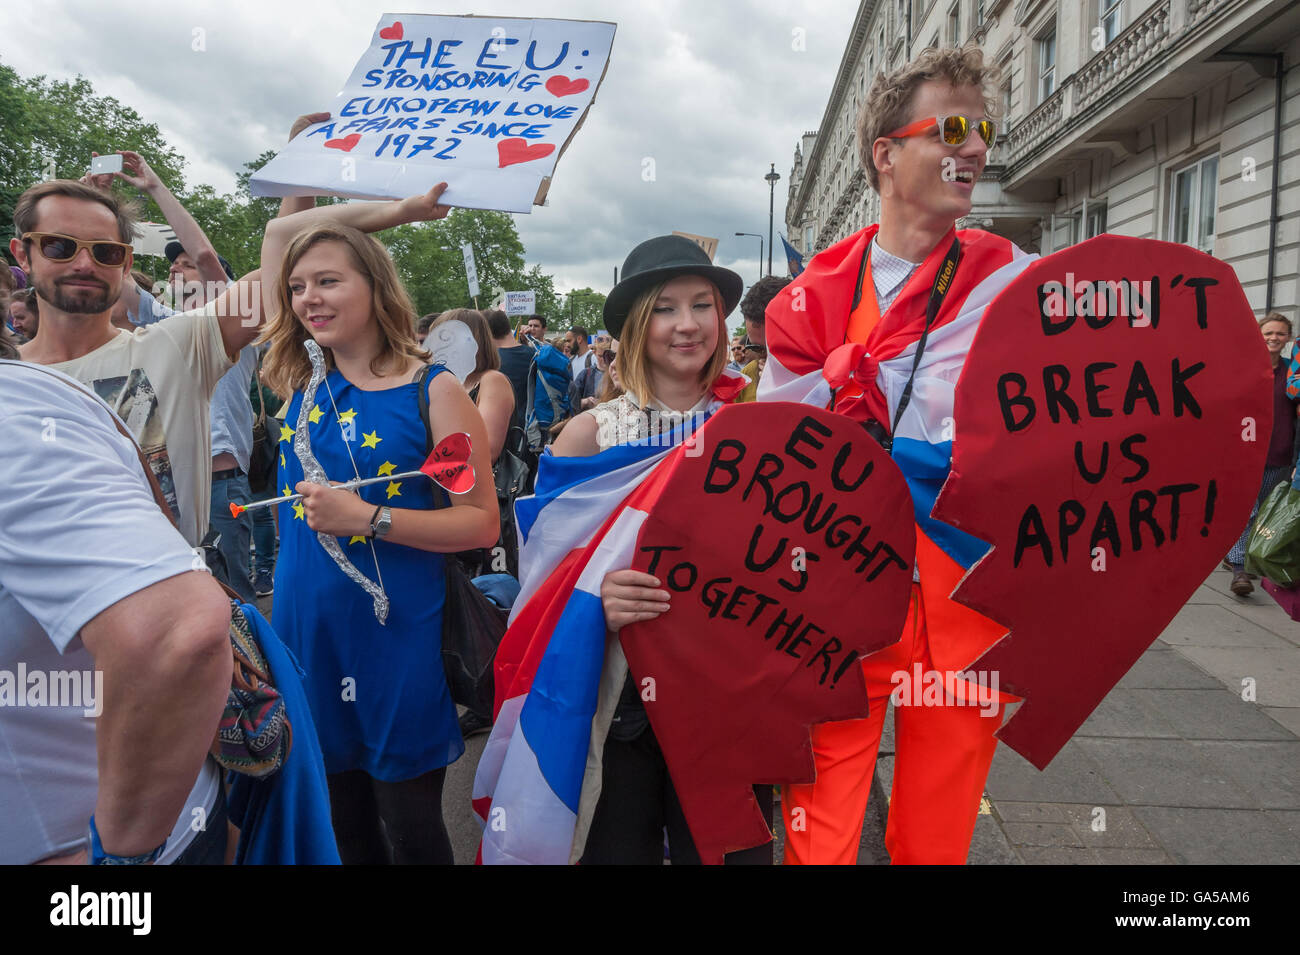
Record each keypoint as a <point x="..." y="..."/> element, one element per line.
<point x="877" y="327"/>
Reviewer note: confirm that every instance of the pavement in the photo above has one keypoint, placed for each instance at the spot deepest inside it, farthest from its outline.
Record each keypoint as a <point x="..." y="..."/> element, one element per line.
<point x="1193" y="758"/>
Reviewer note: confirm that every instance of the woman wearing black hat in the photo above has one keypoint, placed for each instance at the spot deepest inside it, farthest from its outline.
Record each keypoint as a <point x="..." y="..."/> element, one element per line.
<point x="668" y="315"/>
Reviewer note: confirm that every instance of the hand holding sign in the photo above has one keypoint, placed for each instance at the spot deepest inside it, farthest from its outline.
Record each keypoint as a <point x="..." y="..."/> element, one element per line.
<point x="787" y="549"/>
<point x="1112" y="422"/>
<point x="486" y="104"/>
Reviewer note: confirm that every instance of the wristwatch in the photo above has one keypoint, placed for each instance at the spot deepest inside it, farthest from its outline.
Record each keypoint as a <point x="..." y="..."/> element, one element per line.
<point x="382" y="522"/>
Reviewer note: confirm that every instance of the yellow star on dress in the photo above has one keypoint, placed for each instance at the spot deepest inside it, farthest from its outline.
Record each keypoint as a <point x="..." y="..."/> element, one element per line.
<point x="387" y="468"/>
<point x="282" y="464"/>
<point x="286" y="432"/>
<point x="371" y="440"/>
<point x="298" y="512"/>
<point x="316" y="414"/>
<point x="393" y="489"/>
<point x="347" y="415"/>
<point x="356" y="539"/>
<point x="286" y="492"/>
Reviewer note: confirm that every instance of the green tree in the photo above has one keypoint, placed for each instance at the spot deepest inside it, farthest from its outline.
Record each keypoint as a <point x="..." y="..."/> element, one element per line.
<point x="585" y="307"/>
<point x="50" y="129"/>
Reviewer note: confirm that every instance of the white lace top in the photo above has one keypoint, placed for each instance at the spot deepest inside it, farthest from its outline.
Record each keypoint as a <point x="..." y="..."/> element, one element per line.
<point x="622" y="420"/>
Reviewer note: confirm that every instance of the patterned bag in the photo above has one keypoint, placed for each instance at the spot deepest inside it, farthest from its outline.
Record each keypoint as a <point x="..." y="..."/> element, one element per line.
<point x="254" y="736"/>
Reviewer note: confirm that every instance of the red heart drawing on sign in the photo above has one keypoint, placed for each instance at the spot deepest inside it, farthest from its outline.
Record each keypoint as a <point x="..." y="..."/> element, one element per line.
<point x="563" y="86"/>
<point x="448" y="463"/>
<point x="392" y="33"/>
<point x="511" y="151"/>
<point x="345" y="144"/>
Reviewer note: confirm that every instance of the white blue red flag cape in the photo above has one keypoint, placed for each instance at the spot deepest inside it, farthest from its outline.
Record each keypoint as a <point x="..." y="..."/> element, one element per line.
<point x="810" y="361"/>
<point x="539" y="776"/>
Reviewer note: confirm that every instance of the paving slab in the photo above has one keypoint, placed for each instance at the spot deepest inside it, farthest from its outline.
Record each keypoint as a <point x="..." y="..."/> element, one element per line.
<point x="1270" y="772"/>
<point x="1276" y="672"/>
<point x="1210" y="714"/>
<point x="1122" y="713"/>
<point x="1072" y="776"/>
<point x="1166" y="669"/>
<point x="1162" y="772"/>
<point x="1222" y="836"/>
<point x="1263" y="611"/>
<point x="1209" y="625"/>
<point x="1288" y="716"/>
<point x="1117" y="828"/>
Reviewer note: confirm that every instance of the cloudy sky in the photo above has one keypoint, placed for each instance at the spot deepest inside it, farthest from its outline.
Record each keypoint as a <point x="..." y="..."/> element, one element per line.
<point x="712" y="92"/>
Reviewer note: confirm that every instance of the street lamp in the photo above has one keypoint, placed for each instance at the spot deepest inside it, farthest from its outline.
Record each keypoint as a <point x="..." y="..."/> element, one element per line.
<point x="760" y="251"/>
<point x="771" y="178"/>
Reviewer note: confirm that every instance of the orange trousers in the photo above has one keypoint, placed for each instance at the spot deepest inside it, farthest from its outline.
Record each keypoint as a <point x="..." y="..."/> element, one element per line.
<point x="942" y="757"/>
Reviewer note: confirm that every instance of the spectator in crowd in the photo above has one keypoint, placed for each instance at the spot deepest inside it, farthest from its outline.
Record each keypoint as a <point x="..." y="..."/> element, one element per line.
<point x="585" y="391"/>
<point x="95" y="580"/>
<point x="515" y="361"/>
<point x="579" y="353"/>
<point x="754" y="306"/>
<point x="1276" y="329"/>
<point x="24" y="315"/>
<point x="488" y="388"/>
<point x="74" y="241"/>
<point x="535" y="325"/>
<point x="197" y="275"/>
<point x="388" y="737"/>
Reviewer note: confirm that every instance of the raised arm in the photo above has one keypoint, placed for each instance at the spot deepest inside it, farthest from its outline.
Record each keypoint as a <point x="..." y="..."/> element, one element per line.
<point x="190" y="234"/>
<point x="366" y="216"/>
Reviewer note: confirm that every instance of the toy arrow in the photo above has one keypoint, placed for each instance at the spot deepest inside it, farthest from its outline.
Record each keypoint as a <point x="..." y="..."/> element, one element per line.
<point x="447" y="465"/>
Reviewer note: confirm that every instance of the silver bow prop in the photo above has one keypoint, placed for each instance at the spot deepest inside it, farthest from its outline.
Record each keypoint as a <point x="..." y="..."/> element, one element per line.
<point x="313" y="472"/>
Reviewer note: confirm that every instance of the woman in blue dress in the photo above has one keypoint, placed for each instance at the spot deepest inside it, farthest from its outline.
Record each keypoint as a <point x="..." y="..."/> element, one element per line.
<point x="378" y="693"/>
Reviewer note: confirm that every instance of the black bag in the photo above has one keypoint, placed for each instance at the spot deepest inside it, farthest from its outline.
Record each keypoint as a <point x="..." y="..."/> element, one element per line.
<point x="472" y="628"/>
<point x="472" y="625"/>
<point x="266" y="447"/>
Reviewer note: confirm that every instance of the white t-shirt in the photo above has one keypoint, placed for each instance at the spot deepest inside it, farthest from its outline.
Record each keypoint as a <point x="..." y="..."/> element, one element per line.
<point x="79" y="531"/>
<point x="160" y="381"/>
<point x="578" y="362"/>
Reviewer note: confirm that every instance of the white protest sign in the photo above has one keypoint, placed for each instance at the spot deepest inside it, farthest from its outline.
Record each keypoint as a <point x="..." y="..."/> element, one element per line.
<point x="521" y="303"/>
<point x="486" y="105"/>
<point x="471" y="272"/>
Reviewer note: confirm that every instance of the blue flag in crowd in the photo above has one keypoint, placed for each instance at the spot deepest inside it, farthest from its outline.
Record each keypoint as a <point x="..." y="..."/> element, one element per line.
<point x="793" y="259"/>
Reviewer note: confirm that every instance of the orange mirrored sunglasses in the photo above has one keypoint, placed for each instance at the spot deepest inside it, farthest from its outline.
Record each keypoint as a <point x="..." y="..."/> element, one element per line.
<point x="952" y="129"/>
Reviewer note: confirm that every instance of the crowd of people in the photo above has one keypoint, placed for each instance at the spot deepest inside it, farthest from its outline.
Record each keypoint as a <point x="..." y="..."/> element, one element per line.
<point x="139" y="422"/>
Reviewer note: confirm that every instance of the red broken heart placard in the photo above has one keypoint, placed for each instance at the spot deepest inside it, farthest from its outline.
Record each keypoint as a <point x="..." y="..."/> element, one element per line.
<point x="1112" y="418"/>
<point x="785" y="535"/>
<point x="448" y="463"/>
<point x="511" y="151"/>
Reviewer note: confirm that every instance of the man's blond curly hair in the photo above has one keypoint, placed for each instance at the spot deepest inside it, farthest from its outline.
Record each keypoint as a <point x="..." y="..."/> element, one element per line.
<point x="889" y="101"/>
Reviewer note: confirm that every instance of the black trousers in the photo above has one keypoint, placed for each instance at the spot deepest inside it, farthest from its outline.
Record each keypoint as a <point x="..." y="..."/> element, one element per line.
<point x="638" y="802"/>
<point x="379" y="823"/>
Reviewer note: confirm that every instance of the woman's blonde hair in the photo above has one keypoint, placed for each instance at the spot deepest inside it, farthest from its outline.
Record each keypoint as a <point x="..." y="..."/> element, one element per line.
<point x="287" y="367"/>
<point x="633" y="362"/>
<point x="487" y="360"/>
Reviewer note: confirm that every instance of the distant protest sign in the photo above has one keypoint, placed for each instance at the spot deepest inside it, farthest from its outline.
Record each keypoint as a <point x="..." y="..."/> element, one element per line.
<point x="485" y="104"/>
<point x="521" y="303"/>
<point x="1112" y="421"/>
<point x="785" y="537"/>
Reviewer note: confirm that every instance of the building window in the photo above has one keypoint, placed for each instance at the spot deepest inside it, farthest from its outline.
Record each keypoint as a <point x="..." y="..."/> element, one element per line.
<point x="954" y="23"/>
<point x="1047" y="65"/>
<point x="1112" y="18"/>
<point x="1006" y="104"/>
<point x="881" y="43"/>
<point x="1096" y="222"/>
<point x="1193" y="202"/>
<point x="807" y="238"/>
<point x="979" y="13"/>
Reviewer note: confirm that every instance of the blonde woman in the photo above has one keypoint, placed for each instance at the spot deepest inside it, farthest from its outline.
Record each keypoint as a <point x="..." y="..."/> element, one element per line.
<point x="378" y="693"/>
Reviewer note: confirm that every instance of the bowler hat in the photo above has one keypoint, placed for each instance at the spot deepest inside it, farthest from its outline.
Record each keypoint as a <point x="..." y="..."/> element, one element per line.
<point x="662" y="259"/>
